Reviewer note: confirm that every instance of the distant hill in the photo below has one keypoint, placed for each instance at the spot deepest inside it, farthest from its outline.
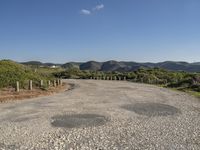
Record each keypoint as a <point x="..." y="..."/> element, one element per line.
<point x="196" y="63"/>
<point x="112" y="66"/>
<point x="179" y="66"/>
<point x="91" y="65"/>
<point x="32" y="63"/>
<point x="123" y="65"/>
<point x="39" y="64"/>
<point x="70" y="65"/>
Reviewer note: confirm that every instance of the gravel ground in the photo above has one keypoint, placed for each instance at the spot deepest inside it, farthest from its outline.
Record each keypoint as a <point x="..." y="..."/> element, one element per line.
<point x="103" y="115"/>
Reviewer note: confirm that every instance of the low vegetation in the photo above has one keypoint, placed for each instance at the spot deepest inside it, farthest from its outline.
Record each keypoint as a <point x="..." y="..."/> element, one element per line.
<point x="11" y="72"/>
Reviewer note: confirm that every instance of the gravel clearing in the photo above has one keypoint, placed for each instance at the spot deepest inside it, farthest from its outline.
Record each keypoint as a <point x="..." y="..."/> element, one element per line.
<point x="103" y="115"/>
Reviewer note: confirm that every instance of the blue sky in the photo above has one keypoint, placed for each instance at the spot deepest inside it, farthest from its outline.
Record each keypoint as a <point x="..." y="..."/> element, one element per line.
<point x="81" y="30"/>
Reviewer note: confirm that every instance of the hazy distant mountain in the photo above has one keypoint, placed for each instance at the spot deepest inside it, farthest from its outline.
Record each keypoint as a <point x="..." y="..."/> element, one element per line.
<point x="35" y="63"/>
<point x="91" y="65"/>
<point x="112" y="66"/>
<point x="123" y="65"/>
<point x="70" y="65"/>
<point x="196" y="63"/>
<point x="179" y="66"/>
<point x="132" y="66"/>
<point x="173" y="65"/>
<point x="38" y="63"/>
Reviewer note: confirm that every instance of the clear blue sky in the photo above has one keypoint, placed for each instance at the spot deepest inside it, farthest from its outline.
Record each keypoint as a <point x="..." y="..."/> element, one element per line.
<point x="80" y="30"/>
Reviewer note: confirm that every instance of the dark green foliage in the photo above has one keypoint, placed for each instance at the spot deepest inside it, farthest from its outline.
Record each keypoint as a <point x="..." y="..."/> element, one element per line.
<point x="189" y="82"/>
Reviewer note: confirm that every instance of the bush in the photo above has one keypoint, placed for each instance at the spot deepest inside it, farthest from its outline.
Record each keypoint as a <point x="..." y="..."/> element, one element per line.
<point x="11" y="72"/>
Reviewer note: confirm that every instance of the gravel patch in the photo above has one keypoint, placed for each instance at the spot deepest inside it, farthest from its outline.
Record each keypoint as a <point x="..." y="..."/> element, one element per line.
<point x="152" y="109"/>
<point x="78" y="120"/>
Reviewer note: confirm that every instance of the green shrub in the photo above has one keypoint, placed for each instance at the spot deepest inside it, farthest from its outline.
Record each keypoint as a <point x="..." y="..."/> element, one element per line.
<point x="11" y="72"/>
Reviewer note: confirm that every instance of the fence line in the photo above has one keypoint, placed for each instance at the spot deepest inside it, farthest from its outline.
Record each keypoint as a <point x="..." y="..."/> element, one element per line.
<point x="119" y="78"/>
<point x="55" y="83"/>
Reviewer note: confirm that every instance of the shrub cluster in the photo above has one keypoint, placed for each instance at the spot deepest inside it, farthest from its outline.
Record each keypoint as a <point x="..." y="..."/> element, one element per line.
<point x="11" y="72"/>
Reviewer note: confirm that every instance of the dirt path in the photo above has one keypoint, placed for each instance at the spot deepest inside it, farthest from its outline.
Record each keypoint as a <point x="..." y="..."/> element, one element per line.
<point x="103" y="115"/>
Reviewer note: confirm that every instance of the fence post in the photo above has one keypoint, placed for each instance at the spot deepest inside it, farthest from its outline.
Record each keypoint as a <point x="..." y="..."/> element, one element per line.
<point x="61" y="82"/>
<point x="124" y="78"/>
<point x="119" y="78"/>
<point x="58" y="82"/>
<point x="54" y="83"/>
<point x="41" y="83"/>
<point x="17" y="86"/>
<point x="49" y="83"/>
<point x="30" y="84"/>
<point x="115" y="78"/>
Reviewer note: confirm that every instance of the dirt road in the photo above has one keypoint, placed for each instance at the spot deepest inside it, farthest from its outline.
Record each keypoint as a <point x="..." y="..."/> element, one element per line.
<point x="103" y="115"/>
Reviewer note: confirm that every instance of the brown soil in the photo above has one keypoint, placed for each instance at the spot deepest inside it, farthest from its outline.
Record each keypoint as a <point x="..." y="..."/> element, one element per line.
<point x="8" y="94"/>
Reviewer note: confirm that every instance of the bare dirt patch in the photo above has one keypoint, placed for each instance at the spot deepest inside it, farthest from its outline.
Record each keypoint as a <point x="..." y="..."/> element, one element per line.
<point x="10" y="94"/>
<point x="78" y="120"/>
<point x="152" y="109"/>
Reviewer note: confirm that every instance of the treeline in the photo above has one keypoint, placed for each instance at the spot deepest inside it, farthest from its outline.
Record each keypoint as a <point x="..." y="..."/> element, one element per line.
<point x="158" y="76"/>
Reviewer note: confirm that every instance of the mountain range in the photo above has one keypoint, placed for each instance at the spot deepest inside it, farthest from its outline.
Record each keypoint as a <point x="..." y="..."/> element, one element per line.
<point x="122" y="65"/>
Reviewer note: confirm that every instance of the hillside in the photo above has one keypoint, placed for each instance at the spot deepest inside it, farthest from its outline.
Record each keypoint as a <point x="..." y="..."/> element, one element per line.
<point x="91" y="65"/>
<point x="10" y="72"/>
<point x="124" y="66"/>
<point x="39" y="64"/>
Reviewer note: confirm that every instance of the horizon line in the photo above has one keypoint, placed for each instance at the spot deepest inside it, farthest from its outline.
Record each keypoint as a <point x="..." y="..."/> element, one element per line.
<point x="101" y="61"/>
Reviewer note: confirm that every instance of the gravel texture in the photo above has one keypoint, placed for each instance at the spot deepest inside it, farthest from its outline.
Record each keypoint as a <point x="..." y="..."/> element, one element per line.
<point x="78" y="120"/>
<point x="103" y="115"/>
<point x="152" y="109"/>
